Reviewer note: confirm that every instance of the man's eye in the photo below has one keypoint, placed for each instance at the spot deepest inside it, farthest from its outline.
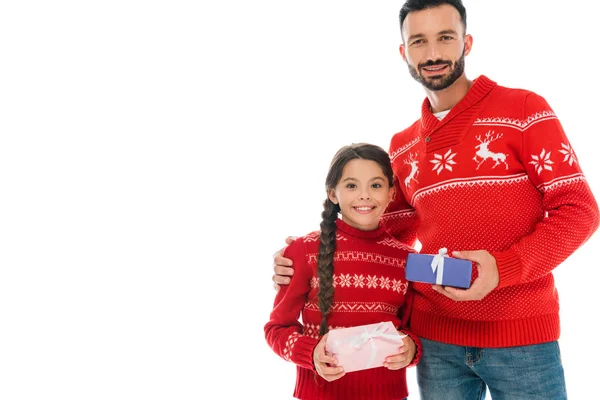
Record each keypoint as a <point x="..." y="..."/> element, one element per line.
<point x="446" y="38"/>
<point x="417" y="42"/>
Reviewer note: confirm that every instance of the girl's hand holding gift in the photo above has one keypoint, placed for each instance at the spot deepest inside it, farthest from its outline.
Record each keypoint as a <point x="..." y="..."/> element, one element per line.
<point x="405" y="355"/>
<point x="325" y="365"/>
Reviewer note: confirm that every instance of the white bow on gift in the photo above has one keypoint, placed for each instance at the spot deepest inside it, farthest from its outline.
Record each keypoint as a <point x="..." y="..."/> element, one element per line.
<point x="438" y="264"/>
<point x="367" y="336"/>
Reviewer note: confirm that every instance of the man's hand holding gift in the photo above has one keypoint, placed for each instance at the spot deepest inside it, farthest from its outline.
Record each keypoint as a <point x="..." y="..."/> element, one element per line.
<point x="487" y="279"/>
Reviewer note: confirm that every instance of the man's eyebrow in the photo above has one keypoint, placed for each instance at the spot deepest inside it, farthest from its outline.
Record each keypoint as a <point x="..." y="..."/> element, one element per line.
<point x="418" y="35"/>
<point x="448" y="32"/>
<point x="444" y="32"/>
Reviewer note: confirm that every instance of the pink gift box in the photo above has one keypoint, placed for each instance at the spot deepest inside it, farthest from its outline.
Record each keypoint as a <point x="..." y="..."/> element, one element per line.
<point x="365" y="346"/>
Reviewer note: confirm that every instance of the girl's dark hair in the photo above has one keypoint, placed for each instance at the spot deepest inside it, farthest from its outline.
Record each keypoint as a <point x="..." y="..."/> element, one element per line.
<point x="363" y="151"/>
<point x="418" y="5"/>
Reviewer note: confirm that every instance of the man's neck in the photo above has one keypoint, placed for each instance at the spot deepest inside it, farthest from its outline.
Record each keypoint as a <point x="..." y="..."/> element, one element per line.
<point x="442" y="100"/>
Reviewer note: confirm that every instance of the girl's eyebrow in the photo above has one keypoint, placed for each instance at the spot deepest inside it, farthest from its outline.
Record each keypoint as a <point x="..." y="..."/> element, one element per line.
<point x="354" y="179"/>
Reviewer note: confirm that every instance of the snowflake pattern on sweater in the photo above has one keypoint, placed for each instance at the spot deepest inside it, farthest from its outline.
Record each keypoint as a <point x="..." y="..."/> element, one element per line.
<point x="369" y="287"/>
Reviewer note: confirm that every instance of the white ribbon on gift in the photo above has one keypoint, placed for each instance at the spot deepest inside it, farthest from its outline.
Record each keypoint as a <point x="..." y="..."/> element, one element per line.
<point x="366" y="336"/>
<point x="438" y="264"/>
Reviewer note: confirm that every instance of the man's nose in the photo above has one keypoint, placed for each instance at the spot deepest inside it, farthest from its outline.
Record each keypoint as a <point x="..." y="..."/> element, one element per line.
<point x="433" y="52"/>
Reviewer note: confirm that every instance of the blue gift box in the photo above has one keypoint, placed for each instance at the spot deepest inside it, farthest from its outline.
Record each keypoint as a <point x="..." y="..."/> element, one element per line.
<point x="453" y="271"/>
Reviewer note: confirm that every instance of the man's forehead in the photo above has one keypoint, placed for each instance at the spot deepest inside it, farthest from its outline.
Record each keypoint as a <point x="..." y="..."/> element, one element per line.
<point x="432" y="21"/>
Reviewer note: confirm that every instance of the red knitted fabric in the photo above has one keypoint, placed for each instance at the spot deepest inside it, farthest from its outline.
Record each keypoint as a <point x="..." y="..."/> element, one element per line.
<point x="370" y="287"/>
<point x="496" y="174"/>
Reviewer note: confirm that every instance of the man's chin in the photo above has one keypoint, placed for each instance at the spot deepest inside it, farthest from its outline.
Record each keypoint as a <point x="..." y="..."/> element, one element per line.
<point x="435" y="84"/>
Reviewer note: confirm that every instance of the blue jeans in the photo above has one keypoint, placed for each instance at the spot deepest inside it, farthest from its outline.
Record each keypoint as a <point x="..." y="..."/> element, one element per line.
<point x="463" y="373"/>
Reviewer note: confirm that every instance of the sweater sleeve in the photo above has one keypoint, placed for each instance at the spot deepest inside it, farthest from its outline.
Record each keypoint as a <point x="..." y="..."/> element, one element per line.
<point x="571" y="212"/>
<point x="283" y="332"/>
<point x="400" y="218"/>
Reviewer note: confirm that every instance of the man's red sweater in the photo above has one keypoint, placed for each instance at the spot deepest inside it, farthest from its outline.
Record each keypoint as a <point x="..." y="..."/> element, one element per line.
<point x="369" y="287"/>
<point x="496" y="174"/>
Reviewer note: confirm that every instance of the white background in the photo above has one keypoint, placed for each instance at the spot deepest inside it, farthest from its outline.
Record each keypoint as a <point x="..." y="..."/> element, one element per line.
<point x="153" y="156"/>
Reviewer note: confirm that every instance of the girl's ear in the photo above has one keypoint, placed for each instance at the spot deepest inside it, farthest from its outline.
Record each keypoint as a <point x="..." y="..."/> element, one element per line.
<point x="332" y="197"/>
<point x="392" y="193"/>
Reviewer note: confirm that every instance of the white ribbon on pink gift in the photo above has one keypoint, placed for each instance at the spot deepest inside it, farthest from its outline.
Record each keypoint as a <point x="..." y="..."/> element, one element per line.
<point x="377" y="331"/>
<point x="438" y="264"/>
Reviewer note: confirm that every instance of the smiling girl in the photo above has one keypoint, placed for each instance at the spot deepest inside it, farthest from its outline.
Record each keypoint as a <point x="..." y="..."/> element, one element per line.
<point x="350" y="273"/>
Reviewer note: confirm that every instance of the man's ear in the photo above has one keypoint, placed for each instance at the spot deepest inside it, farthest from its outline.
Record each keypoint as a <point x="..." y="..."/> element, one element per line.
<point x="403" y="52"/>
<point x="332" y="197"/>
<point x="468" y="44"/>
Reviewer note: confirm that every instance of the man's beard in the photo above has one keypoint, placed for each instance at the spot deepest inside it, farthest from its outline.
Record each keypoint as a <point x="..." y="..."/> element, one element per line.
<point x="439" y="82"/>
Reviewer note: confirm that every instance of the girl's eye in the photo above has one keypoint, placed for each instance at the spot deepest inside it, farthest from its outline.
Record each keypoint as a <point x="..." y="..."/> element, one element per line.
<point x="376" y="185"/>
<point x="351" y="186"/>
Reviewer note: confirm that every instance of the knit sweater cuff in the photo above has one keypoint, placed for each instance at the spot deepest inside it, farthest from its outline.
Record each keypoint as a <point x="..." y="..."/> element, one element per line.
<point x="303" y="352"/>
<point x="509" y="267"/>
